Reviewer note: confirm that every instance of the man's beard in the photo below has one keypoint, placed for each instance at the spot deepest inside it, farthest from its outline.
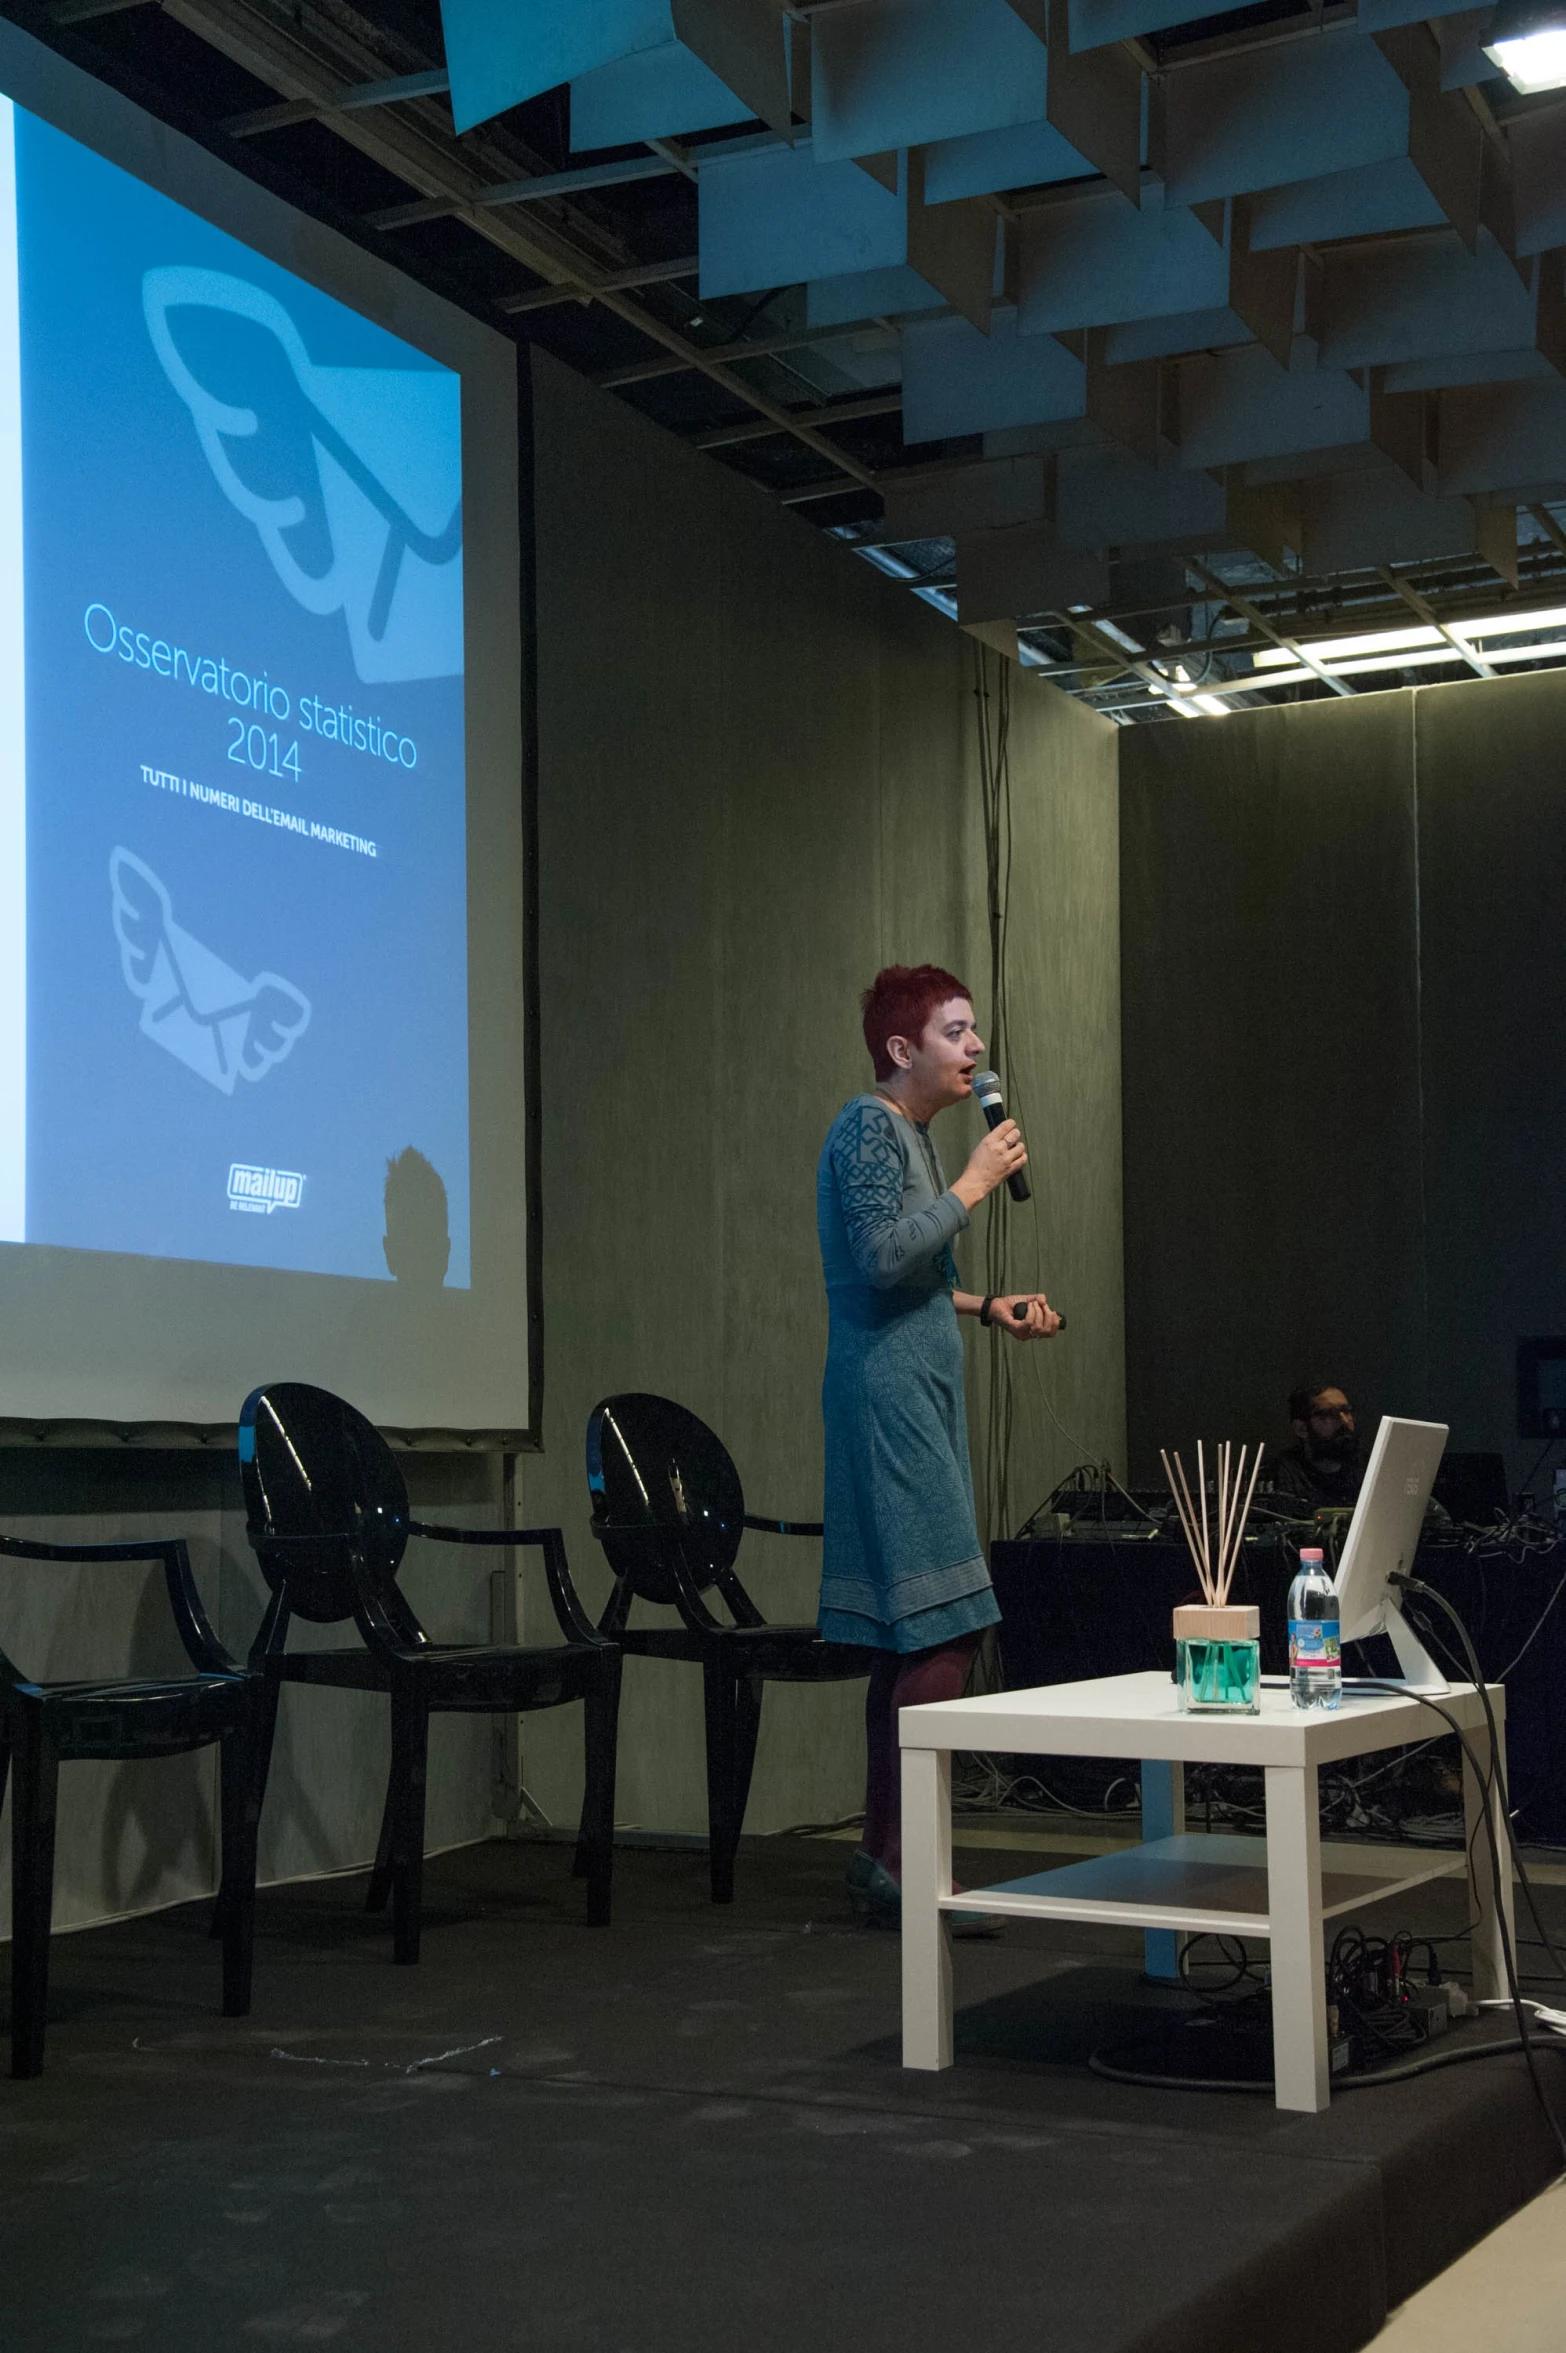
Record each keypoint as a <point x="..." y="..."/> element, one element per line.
<point x="1342" y="1449"/>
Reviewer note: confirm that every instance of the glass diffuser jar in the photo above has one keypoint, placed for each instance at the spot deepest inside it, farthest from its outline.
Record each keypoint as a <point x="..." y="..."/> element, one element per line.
<point x="1218" y="1659"/>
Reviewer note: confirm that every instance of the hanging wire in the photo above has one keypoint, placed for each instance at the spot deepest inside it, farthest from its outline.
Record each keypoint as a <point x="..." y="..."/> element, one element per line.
<point x="992" y="697"/>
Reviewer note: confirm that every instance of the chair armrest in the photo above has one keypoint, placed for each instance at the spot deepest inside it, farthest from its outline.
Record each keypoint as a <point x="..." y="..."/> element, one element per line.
<point x="202" y="1647"/>
<point x="575" y="1624"/>
<point x="784" y="1527"/>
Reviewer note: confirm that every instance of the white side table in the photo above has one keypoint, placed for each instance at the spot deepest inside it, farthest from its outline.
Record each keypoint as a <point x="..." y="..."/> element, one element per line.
<point x="1281" y="1887"/>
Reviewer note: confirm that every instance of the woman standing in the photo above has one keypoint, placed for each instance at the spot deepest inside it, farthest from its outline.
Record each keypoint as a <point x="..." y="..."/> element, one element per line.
<point x="902" y="1570"/>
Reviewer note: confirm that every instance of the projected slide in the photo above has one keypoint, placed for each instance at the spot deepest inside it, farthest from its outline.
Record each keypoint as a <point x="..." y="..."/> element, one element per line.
<point x="234" y="1022"/>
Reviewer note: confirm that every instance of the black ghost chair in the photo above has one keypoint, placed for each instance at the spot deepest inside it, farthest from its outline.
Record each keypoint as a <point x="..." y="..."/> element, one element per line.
<point x="669" y="1512"/>
<point x="122" y="1718"/>
<point x="328" y="1517"/>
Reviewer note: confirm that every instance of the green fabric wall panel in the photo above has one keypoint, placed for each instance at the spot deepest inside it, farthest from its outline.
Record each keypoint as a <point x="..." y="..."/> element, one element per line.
<point x="758" y="781"/>
<point x="1492" y="837"/>
<point x="1271" y="1068"/>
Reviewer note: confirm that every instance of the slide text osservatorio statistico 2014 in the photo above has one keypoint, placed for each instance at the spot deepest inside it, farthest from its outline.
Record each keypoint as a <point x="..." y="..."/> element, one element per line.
<point x="253" y="691"/>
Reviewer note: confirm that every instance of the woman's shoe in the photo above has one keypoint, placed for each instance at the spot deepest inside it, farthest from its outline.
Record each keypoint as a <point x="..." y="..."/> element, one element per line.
<point x="878" y="1900"/>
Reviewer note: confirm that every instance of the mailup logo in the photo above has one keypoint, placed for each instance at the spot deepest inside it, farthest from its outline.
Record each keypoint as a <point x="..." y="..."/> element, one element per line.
<point x="218" y="1024"/>
<point x="351" y="476"/>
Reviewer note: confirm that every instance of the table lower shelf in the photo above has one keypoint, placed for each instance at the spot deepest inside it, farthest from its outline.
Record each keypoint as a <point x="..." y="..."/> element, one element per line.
<point x="1214" y="1883"/>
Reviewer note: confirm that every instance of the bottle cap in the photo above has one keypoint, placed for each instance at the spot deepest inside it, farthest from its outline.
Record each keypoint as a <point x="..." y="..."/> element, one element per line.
<point x="1311" y="1552"/>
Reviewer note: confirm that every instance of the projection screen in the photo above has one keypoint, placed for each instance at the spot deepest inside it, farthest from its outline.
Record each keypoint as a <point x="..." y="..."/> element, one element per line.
<point x="262" y="1020"/>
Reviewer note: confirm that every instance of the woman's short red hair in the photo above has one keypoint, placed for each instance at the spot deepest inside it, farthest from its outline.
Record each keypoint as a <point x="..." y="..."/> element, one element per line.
<point x="899" y="1002"/>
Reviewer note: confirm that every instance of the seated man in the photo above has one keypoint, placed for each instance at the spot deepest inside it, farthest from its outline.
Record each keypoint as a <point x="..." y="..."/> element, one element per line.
<point x="1322" y="1469"/>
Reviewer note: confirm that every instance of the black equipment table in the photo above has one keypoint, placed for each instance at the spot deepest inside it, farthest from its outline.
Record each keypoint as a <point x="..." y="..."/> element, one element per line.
<point x="1098" y="1602"/>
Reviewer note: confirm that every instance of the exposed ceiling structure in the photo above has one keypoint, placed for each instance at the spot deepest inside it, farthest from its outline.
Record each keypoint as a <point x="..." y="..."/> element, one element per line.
<point x="1201" y="364"/>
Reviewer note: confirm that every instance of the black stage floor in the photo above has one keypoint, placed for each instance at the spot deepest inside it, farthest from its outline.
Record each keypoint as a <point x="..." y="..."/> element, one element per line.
<point x="691" y="2132"/>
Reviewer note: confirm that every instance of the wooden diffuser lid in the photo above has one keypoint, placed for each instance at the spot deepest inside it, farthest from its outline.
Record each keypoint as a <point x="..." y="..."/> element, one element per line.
<point x="1231" y="1621"/>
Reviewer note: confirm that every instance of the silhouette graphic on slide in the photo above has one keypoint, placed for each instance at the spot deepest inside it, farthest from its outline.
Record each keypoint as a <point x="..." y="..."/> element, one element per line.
<point x="417" y="1240"/>
<point x="351" y="476"/>
<point x="206" y="1014"/>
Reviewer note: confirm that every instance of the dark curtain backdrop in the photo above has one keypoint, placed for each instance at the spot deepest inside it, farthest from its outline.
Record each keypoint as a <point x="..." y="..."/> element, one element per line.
<point x="1343" y="957"/>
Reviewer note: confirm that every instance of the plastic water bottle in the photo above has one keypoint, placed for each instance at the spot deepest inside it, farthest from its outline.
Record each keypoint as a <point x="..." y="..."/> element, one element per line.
<point x="1315" y="1652"/>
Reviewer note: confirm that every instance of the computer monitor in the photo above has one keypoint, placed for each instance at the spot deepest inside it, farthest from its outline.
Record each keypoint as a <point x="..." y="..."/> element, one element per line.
<point x="1382" y="1539"/>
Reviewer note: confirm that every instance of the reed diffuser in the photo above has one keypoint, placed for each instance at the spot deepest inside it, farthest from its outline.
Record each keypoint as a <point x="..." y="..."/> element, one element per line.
<point x="1217" y="1642"/>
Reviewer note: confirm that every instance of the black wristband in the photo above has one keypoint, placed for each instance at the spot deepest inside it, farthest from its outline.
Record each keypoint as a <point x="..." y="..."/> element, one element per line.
<point x="985" y="1305"/>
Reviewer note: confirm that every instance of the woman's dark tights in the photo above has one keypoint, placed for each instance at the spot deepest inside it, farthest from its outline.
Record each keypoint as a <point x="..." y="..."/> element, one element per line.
<point x="902" y="1680"/>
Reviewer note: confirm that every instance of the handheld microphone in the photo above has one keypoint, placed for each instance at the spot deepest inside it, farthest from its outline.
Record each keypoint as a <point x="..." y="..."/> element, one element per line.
<point x="987" y="1094"/>
<point x="1020" y="1315"/>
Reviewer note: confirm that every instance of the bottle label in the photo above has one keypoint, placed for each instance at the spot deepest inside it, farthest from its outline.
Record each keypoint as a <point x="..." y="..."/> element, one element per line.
<point x="1314" y="1645"/>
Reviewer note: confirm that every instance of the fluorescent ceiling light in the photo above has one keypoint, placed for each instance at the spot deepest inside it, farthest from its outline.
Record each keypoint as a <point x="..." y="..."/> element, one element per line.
<point x="1528" y="42"/>
<point x="1536" y="62"/>
<point x="1553" y="649"/>
<point x="942" y="598"/>
<point x="884" y="561"/>
<point x="1118" y="636"/>
<point x="1509" y="624"/>
<point x="1332" y="649"/>
<point x="1364" y="666"/>
<point x="1527" y="653"/>
<point x="1188" y="703"/>
<point x="1421" y="658"/>
<point x="1400" y="649"/>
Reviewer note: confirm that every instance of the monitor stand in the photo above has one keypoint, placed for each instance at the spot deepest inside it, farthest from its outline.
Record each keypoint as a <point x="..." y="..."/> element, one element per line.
<point x="1420" y="1672"/>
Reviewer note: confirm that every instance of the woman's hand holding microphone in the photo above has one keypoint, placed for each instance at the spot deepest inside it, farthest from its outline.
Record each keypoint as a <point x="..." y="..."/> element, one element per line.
<point x="1000" y="1153"/>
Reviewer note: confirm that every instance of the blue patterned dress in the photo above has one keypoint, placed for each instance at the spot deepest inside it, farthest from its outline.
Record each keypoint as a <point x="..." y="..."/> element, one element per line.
<point x="901" y="1564"/>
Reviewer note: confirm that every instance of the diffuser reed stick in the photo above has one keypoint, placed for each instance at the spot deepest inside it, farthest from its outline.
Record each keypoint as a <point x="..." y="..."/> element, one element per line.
<point x="1233" y="1510"/>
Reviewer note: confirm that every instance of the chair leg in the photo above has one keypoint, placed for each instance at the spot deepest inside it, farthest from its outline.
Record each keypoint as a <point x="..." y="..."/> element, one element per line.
<point x="258" y="1745"/>
<point x="241" y="1817"/>
<point x="595" y="1838"/>
<point x="377" y="1894"/>
<point x="721" y="1692"/>
<point x="410" y="1732"/>
<point x="747" y="1731"/>
<point x="32" y="1896"/>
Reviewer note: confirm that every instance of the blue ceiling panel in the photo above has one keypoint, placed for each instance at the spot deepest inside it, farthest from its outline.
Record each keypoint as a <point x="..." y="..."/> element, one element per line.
<point x="499" y="54"/>
<point x="1095" y="262"/>
<point x="1539" y="181"/>
<point x="1468" y="367"/>
<point x="1463" y="61"/>
<point x="652" y="94"/>
<point x="956" y="380"/>
<point x="1418" y="298"/>
<point x="1366" y="202"/>
<point x="1029" y="155"/>
<point x="1238" y="405"/>
<point x="899" y="73"/>
<point x="870" y="294"/>
<point x="1379" y="16"/>
<point x="776" y="216"/>
<point x="1190" y="330"/>
<point x="1095" y="23"/>
<point x="1256" y="120"/>
<point x="1512" y="440"/>
<point x="1354" y="521"/>
<point x="1108" y="498"/>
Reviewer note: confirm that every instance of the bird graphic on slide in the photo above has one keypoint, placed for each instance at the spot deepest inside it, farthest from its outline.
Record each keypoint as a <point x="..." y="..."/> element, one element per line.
<point x="220" y="1025"/>
<point x="352" y="477"/>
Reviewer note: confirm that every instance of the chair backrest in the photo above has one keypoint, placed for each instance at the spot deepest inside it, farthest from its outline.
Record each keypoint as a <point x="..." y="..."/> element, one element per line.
<point x="654" y="1468"/>
<point x="313" y="1467"/>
